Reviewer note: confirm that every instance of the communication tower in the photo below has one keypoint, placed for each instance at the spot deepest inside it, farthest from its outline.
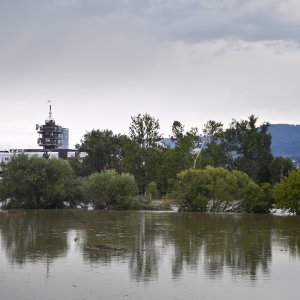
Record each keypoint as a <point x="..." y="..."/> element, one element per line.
<point x="49" y="134"/>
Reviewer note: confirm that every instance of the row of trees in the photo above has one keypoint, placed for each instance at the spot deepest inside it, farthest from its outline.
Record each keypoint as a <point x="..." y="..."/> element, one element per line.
<point x="206" y="172"/>
<point x="243" y="146"/>
<point x="30" y="183"/>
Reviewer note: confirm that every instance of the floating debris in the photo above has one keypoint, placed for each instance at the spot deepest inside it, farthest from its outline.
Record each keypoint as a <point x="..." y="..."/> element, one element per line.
<point x="105" y="247"/>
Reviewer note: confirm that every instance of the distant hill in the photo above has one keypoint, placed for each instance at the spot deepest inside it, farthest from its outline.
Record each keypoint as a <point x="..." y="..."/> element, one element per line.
<point x="286" y="140"/>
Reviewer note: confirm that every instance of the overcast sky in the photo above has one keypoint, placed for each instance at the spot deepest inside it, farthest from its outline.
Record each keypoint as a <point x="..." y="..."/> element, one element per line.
<point x="102" y="62"/>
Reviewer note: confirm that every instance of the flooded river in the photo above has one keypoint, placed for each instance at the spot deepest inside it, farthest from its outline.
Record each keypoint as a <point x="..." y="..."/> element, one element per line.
<point x="148" y="255"/>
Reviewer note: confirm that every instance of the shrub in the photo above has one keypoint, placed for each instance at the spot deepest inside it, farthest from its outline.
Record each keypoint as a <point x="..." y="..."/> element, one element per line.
<point x="216" y="190"/>
<point x="111" y="189"/>
<point x="287" y="192"/>
<point x="37" y="183"/>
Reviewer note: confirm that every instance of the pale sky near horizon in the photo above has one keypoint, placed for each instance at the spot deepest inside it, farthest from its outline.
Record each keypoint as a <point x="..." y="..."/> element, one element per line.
<point x="102" y="62"/>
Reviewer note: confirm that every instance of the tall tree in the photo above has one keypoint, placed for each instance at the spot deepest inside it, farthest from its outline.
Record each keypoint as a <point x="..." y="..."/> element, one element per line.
<point x="144" y="130"/>
<point x="214" y="145"/>
<point x="249" y="148"/>
<point x="177" y="132"/>
<point x="104" y="150"/>
<point x="184" y="155"/>
<point x="144" y="153"/>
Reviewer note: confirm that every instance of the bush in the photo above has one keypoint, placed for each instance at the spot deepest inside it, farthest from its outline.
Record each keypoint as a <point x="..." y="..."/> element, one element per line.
<point x="191" y="190"/>
<point x="258" y="198"/>
<point x="216" y="190"/>
<point x="111" y="189"/>
<point x="139" y="202"/>
<point x="287" y="193"/>
<point x="38" y="183"/>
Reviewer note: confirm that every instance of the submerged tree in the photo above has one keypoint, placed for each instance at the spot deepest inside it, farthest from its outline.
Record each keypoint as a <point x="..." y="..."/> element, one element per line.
<point x="109" y="188"/>
<point x="287" y="192"/>
<point x="214" y="189"/>
<point x="38" y="183"/>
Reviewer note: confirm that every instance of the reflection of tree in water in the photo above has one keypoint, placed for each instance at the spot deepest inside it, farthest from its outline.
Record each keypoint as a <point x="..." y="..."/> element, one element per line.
<point x="242" y="244"/>
<point x="248" y="246"/>
<point x="288" y="234"/>
<point x="186" y="235"/>
<point x="210" y="243"/>
<point x="33" y="236"/>
<point x="109" y="236"/>
<point x="121" y="236"/>
<point x="145" y="255"/>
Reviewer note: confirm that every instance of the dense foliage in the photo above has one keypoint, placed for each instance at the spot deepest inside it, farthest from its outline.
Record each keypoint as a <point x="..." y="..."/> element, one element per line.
<point x="230" y="169"/>
<point x="39" y="183"/>
<point x="287" y="192"/>
<point x="108" y="188"/>
<point x="218" y="190"/>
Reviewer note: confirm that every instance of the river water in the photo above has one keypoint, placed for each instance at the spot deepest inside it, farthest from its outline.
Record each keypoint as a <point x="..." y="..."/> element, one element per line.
<point x="77" y="254"/>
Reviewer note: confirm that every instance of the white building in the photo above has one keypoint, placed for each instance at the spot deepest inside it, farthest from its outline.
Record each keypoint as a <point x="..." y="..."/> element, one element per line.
<point x="6" y="155"/>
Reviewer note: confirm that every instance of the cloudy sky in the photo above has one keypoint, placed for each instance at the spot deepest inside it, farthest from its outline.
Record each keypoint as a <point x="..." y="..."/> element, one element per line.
<point x="102" y="62"/>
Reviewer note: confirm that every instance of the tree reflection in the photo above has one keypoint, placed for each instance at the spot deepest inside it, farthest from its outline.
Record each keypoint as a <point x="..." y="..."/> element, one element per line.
<point x="248" y="245"/>
<point x="144" y="258"/>
<point x="33" y="236"/>
<point x="288" y="234"/>
<point x="211" y="244"/>
<point x="240" y="243"/>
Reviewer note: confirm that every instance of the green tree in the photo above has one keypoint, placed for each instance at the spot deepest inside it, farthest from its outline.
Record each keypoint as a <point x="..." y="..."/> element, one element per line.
<point x="184" y="155"/>
<point x="287" y="192"/>
<point x="177" y="132"/>
<point x="111" y="189"/>
<point x="144" y="130"/>
<point x="214" y="145"/>
<point x="191" y="190"/>
<point x="249" y="148"/>
<point x="213" y="189"/>
<point x="144" y="152"/>
<point x="104" y="150"/>
<point x="258" y="199"/>
<point x="188" y="143"/>
<point x="280" y="168"/>
<point x="38" y="183"/>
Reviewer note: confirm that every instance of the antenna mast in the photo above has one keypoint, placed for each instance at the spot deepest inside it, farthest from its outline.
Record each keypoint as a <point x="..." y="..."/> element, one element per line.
<point x="49" y="134"/>
<point x="50" y="110"/>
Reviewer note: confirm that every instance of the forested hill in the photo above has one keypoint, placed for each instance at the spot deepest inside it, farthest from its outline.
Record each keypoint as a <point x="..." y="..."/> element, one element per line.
<point x="285" y="140"/>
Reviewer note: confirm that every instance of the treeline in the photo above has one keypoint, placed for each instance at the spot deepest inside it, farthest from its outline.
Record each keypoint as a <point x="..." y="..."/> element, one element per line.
<point x="220" y="169"/>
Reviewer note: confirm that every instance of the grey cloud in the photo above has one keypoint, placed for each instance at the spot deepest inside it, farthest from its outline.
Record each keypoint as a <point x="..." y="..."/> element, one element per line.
<point x="173" y="20"/>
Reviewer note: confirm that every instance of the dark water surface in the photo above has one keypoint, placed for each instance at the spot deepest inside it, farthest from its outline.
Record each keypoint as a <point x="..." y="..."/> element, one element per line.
<point x="148" y="255"/>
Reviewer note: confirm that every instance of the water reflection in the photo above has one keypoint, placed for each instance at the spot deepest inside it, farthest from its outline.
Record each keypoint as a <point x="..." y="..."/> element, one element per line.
<point x="288" y="235"/>
<point x="211" y="244"/>
<point x="31" y="236"/>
